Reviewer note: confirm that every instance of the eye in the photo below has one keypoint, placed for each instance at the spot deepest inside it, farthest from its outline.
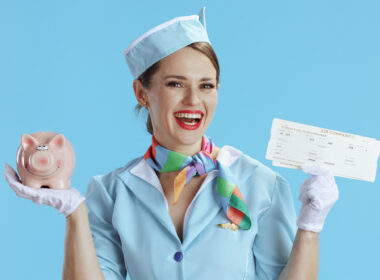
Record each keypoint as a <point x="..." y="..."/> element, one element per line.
<point x="208" y="86"/>
<point x="174" y="84"/>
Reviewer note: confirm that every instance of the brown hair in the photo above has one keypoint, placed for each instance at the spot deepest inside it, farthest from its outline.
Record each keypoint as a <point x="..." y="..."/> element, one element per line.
<point x="146" y="77"/>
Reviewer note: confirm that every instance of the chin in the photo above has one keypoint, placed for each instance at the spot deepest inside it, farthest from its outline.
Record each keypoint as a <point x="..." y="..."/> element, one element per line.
<point x="177" y="136"/>
<point x="190" y="139"/>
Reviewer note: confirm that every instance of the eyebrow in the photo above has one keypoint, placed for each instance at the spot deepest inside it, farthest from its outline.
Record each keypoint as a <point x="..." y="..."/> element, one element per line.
<point x="184" y="78"/>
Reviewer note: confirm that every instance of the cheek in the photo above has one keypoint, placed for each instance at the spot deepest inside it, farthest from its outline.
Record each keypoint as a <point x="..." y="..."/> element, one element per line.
<point x="162" y="105"/>
<point x="159" y="113"/>
<point x="154" y="107"/>
<point x="211" y="103"/>
<point x="156" y="110"/>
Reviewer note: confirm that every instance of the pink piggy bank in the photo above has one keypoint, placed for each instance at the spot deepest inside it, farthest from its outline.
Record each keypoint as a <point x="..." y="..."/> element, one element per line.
<point x="45" y="159"/>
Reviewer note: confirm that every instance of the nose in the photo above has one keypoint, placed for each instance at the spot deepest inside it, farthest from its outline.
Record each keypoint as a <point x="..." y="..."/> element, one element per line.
<point x="191" y="96"/>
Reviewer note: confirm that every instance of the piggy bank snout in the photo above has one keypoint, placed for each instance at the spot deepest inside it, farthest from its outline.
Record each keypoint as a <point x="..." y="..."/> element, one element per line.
<point x="41" y="162"/>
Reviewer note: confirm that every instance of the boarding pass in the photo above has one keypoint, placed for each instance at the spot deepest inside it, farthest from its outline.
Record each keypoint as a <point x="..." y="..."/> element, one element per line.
<point x="347" y="155"/>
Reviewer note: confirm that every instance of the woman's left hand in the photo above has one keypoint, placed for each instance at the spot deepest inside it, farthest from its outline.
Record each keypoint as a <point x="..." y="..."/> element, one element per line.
<point x="317" y="194"/>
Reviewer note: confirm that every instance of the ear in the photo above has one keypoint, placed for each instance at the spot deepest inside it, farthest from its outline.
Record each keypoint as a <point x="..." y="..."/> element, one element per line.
<point x="28" y="141"/>
<point x="140" y="93"/>
<point x="58" y="141"/>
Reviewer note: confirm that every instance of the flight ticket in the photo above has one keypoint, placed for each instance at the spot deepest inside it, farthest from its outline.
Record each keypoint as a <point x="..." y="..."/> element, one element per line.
<point x="346" y="155"/>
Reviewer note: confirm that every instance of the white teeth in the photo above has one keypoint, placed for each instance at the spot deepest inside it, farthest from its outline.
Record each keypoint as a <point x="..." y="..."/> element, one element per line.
<point x="187" y="123"/>
<point x="188" y="116"/>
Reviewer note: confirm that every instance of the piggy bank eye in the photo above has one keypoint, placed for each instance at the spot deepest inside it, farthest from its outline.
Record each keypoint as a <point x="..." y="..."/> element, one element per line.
<point x="41" y="147"/>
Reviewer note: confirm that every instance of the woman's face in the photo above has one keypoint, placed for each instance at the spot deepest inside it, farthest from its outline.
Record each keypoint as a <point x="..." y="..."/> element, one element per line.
<point x="182" y="99"/>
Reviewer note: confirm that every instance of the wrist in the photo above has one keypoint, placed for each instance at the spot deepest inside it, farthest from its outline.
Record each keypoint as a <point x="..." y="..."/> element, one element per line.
<point x="307" y="234"/>
<point x="78" y="213"/>
<point x="310" y="227"/>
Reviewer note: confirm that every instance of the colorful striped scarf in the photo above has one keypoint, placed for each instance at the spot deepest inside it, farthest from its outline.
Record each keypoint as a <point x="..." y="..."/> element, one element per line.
<point x="164" y="160"/>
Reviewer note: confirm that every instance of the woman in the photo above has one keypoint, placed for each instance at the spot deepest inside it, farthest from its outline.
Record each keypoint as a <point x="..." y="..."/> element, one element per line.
<point x="187" y="209"/>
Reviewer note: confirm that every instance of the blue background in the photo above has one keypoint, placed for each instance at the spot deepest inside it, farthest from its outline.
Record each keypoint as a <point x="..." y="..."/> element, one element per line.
<point x="62" y="70"/>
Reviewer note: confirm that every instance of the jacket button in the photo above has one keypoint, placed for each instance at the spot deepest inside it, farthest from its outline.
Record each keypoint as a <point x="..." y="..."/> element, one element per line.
<point x="178" y="256"/>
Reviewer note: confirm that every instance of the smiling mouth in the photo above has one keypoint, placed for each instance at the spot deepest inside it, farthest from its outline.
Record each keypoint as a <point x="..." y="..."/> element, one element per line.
<point x="191" y="119"/>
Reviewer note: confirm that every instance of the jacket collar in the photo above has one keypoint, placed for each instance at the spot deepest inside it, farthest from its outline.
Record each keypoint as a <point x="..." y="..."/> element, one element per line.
<point x="203" y="211"/>
<point x="227" y="155"/>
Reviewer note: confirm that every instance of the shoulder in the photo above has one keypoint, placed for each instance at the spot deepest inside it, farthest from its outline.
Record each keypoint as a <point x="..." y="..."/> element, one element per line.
<point x="110" y="181"/>
<point x="250" y="173"/>
<point x="244" y="166"/>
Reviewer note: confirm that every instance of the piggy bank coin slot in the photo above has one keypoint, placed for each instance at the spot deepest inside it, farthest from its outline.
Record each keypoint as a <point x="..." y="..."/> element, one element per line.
<point x="45" y="187"/>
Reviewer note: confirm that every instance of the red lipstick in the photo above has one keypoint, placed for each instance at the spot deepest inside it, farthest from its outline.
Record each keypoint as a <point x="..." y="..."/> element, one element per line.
<point x="187" y="126"/>
<point x="190" y="112"/>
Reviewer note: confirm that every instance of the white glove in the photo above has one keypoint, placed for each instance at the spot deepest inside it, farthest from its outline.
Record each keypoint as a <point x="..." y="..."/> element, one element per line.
<point x="65" y="201"/>
<point x="317" y="194"/>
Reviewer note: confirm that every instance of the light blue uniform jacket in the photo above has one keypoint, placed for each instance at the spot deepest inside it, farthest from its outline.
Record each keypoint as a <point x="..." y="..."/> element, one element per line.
<point x="133" y="231"/>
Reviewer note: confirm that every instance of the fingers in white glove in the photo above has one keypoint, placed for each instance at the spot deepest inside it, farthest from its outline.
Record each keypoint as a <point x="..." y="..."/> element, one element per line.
<point x="65" y="201"/>
<point x="313" y="197"/>
<point x="315" y="170"/>
<point x="317" y="194"/>
<point x="14" y="182"/>
<point x="319" y="173"/>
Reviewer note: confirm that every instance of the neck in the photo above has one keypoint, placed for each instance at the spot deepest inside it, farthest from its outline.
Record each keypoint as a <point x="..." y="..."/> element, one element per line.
<point x="188" y="150"/>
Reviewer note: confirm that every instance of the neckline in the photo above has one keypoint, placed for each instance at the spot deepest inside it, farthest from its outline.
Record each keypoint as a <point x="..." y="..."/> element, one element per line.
<point x="227" y="155"/>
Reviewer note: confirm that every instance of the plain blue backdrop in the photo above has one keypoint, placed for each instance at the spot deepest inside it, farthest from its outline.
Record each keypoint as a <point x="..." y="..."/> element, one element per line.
<point x="62" y="70"/>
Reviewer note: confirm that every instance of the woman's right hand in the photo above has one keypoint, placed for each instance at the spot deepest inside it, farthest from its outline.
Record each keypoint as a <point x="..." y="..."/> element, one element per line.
<point x="65" y="201"/>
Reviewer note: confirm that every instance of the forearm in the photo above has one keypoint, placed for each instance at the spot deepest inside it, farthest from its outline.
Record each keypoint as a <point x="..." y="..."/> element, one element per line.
<point x="303" y="261"/>
<point x="80" y="261"/>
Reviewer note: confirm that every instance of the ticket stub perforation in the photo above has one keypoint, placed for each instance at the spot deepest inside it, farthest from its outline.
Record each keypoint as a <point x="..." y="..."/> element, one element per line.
<point x="347" y="155"/>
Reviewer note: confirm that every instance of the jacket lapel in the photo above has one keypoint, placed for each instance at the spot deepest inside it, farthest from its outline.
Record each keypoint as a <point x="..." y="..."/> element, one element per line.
<point x="204" y="207"/>
<point x="206" y="203"/>
<point x="147" y="188"/>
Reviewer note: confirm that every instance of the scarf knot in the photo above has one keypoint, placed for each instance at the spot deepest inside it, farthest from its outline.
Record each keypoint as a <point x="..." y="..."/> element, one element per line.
<point x="197" y="168"/>
<point x="164" y="160"/>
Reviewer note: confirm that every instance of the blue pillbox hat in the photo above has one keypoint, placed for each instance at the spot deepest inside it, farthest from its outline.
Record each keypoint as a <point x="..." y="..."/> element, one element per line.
<point x="165" y="39"/>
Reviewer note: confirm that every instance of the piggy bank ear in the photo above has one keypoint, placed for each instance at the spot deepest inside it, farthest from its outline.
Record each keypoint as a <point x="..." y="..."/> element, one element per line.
<point x="58" y="141"/>
<point x="28" y="141"/>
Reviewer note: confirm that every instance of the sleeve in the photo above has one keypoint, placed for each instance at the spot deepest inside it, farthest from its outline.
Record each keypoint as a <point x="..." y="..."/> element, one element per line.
<point x="276" y="233"/>
<point x="106" y="239"/>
